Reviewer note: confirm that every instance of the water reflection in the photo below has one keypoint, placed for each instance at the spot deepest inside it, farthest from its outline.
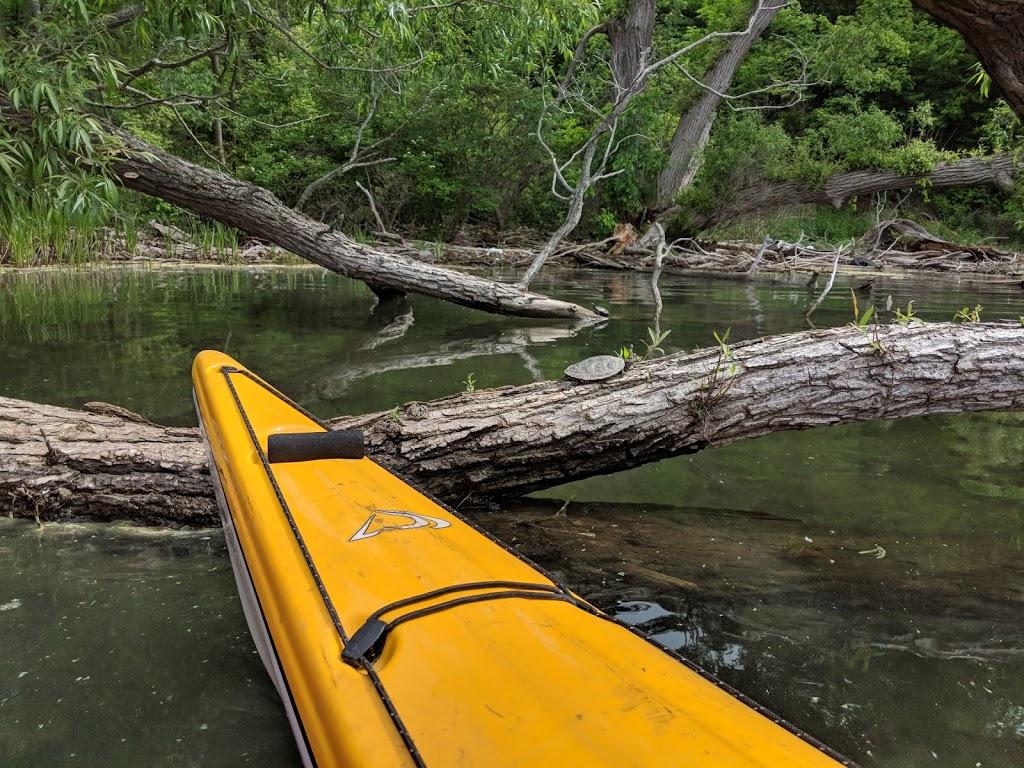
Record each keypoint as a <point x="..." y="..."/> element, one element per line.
<point x="887" y="660"/>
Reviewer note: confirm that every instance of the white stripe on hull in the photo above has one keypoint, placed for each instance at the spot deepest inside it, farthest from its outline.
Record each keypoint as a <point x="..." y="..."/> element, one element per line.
<point x="251" y="605"/>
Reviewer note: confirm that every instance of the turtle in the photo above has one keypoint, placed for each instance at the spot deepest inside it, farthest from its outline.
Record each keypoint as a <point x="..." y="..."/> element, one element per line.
<point x="596" y="368"/>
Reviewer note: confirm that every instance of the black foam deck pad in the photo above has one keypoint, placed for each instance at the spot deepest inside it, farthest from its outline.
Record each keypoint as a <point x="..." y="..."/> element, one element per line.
<point x="310" y="446"/>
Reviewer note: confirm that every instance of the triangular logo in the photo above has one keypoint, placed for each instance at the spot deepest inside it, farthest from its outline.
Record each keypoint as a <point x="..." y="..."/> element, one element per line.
<point x="395" y="520"/>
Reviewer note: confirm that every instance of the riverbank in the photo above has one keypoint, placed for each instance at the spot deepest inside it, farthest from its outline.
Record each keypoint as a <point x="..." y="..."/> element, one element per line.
<point x="891" y="248"/>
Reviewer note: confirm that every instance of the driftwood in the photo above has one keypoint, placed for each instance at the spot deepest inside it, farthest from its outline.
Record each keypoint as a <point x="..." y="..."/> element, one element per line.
<point x="57" y="463"/>
<point x="898" y="252"/>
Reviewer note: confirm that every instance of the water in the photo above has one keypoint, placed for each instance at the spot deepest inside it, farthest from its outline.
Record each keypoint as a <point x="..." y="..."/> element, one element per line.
<point x="759" y="561"/>
<point x="128" y="647"/>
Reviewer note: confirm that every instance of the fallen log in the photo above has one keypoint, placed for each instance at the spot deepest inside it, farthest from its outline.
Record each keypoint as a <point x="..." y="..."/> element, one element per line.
<point x="995" y="170"/>
<point x="255" y="211"/>
<point x="60" y="464"/>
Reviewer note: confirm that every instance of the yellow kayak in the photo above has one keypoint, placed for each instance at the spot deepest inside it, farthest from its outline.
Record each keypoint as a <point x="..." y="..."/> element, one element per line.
<point x="400" y="634"/>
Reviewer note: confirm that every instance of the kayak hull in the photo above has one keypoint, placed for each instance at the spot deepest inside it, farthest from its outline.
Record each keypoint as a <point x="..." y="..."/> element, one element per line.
<point x="399" y="634"/>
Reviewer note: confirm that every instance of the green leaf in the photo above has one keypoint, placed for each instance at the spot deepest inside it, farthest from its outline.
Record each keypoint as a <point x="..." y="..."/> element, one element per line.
<point x="8" y="168"/>
<point x="866" y="317"/>
<point x="51" y="96"/>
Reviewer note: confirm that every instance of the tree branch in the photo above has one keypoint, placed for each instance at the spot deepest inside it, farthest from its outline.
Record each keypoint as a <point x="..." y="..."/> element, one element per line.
<point x="251" y="209"/>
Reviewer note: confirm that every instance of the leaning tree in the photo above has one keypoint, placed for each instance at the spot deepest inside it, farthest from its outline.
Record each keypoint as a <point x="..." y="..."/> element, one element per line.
<point x="81" y="82"/>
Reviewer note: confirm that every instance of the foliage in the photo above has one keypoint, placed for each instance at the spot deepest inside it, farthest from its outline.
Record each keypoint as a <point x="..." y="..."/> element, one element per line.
<point x="435" y="106"/>
<point x="866" y="324"/>
<point x="744" y="149"/>
<point x="908" y="316"/>
<point x="968" y="315"/>
<point x="657" y="338"/>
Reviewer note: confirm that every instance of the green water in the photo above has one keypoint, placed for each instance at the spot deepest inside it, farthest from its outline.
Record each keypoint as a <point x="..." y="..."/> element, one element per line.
<point x="128" y="647"/>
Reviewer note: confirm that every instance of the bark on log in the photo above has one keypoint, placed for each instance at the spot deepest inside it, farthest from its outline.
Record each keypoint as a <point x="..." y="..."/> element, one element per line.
<point x="997" y="170"/>
<point x="57" y="463"/>
<point x="257" y="212"/>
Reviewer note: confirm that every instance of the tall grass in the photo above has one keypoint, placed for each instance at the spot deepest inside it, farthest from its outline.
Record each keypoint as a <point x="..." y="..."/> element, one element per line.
<point x="819" y="226"/>
<point x="32" y="238"/>
<point x="216" y="241"/>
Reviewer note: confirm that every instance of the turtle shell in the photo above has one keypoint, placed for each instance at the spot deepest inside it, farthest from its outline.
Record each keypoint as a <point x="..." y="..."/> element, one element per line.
<point x="596" y="368"/>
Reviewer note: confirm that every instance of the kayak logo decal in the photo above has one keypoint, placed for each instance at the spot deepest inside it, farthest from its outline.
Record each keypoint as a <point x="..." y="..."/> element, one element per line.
<point x="385" y="520"/>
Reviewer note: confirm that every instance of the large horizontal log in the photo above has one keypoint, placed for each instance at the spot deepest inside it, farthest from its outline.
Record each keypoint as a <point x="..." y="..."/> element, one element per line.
<point x="57" y="463"/>
<point x="257" y="212"/>
<point x="996" y="170"/>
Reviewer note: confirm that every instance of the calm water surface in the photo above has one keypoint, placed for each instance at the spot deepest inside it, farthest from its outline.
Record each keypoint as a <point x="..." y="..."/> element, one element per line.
<point x="759" y="561"/>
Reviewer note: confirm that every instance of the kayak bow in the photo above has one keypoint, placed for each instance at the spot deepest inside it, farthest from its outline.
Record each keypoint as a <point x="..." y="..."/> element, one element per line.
<point x="399" y="634"/>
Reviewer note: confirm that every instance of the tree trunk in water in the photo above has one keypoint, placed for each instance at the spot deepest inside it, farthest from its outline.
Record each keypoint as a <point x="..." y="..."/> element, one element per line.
<point x="57" y="463"/>
<point x="997" y="170"/>
<point x="257" y="212"/>
<point x="994" y="29"/>
<point x="694" y="127"/>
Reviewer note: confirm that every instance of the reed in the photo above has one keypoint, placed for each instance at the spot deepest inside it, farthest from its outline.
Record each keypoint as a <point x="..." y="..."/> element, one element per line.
<point x="35" y="236"/>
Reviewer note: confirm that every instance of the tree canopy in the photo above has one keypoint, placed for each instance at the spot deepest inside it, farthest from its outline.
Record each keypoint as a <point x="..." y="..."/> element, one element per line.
<point x="423" y="117"/>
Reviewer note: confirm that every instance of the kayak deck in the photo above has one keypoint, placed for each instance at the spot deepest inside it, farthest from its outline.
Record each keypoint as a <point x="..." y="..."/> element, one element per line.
<point x="399" y="634"/>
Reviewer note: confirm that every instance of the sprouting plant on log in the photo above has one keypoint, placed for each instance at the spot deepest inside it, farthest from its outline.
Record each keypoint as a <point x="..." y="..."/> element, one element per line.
<point x="968" y="315"/>
<point x="864" y="325"/>
<point x="908" y="316"/>
<point x="655" y="343"/>
<point x="715" y="386"/>
<point x="653" y="346"/>
<point x="470" y="383"/>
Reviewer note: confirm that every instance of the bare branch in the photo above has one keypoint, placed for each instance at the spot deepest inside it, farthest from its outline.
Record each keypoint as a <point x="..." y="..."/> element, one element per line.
<point x="155" y="63"/>
<point x="273" y="125"/>
<point x="177" y="100"/>
<point x="358" y="157"/>
<point x="373" y="210"/>
<point x="605" y="130"/>
<point x="198" y="143"/>
<point x="762" y="5"/>
<point x="576" y="57"/>
<point x="794" y="88"/>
